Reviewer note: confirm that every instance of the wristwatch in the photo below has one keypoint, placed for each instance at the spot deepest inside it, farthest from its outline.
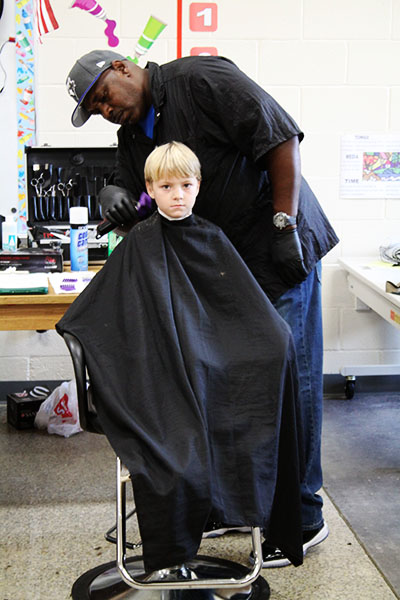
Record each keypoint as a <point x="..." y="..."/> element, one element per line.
<point x="282" y="220"/>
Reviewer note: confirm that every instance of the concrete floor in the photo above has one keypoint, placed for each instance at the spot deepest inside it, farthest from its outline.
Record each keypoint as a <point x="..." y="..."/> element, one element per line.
<point x="57" y="501"/>
<point x="361" y="463"/>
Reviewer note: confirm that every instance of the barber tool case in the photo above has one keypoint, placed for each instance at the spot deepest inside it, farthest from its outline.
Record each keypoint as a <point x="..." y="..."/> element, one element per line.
<point x="59" y="178"/>
<point x="23" y="406"/>
<point x="34" y="260"/>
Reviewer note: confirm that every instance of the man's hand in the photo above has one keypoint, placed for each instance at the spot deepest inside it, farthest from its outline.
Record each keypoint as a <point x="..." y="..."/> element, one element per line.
<point x="287" y="256"/>
<point x="118" y="205"/>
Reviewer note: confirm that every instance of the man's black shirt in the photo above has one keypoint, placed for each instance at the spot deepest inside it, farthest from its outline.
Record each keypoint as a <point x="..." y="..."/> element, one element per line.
<point x="230" y="122"/>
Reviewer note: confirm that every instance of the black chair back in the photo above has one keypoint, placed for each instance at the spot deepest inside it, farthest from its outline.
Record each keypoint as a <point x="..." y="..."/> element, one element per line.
<point x="89" y="420"/>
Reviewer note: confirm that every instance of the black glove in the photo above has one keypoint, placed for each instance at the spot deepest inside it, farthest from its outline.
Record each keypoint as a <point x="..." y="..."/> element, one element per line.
<point x="118" y="205"/>
<point x="287" y="256"/>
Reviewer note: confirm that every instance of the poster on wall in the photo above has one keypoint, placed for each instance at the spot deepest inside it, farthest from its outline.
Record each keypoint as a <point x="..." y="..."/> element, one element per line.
<point x="370" y="166"/>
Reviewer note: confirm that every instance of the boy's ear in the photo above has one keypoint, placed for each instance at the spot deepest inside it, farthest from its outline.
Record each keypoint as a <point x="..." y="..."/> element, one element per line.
<point x="149" y="188"/>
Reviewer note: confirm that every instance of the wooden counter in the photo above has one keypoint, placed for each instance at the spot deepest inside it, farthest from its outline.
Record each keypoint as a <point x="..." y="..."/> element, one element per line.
<point x="34" y="311"/>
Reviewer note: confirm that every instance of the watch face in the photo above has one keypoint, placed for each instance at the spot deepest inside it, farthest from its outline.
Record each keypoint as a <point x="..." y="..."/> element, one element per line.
<point x="280" y="220"/>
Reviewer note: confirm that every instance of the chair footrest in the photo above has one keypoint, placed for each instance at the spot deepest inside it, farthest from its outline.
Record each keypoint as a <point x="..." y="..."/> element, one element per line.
<point x="104" y="583"/>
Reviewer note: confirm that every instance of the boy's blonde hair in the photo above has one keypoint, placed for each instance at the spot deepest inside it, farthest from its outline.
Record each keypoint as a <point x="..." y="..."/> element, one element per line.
<point x="174" y="160"/>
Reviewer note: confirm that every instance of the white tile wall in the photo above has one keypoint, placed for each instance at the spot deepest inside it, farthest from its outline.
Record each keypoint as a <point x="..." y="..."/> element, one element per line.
<point x="363" y="238"/>
<point x="255" y="20"/>
<point x="15" y="368"/>
<point x="332" y="65"/>
<point x="396" y="20"/>
<point x="394" y="112"/>
<point x="366" y="330"/>
<point x="29" y="355"/>
<point x="392" y="209"/>
<point x="331" y="321"/>
<point x="377" y="57"/>
<point x="334" y="361"/>
<point x="58" y="366"/>
<point x="327" y="191"/>
<point x="243" y="53"/>
<point x="302" y="63"/>
<point x="347" y="20"/>
<point x="134" y="16"/>
<point x="320" y="155"/>
<point x="335" y="295"/>
<point x="344" y="109"/>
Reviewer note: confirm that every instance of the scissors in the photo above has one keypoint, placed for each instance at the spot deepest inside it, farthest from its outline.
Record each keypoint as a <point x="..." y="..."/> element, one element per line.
<point x="65" y="188"/>
<point x="37" y="183"/>
<point x="51" y="191"/>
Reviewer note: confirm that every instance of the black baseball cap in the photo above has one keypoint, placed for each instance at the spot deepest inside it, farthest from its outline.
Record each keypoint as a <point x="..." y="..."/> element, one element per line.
<point x="84" y="75"/>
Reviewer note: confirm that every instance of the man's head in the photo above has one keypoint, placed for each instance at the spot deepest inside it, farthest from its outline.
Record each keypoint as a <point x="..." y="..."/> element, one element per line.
<point x="173" y="174"/>
<point x="105" y="82"/>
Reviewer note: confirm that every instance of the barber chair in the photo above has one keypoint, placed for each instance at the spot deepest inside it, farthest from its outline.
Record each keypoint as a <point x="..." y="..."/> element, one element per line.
<point x="202" y="578"/>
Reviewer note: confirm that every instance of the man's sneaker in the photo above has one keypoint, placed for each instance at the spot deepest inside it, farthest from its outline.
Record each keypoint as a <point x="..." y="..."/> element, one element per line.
<point x="218" y="529"/>
<point x="273" y="557"/>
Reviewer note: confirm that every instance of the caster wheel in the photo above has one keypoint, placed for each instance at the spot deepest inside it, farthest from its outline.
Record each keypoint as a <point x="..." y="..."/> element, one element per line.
<point x="350" y="388"/>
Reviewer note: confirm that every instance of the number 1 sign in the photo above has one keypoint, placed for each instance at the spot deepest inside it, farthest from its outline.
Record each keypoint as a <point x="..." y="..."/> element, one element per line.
<point x="203" y="16"/>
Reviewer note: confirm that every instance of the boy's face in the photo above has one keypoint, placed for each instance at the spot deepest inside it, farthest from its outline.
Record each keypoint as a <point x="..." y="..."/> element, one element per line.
<point x="175" y="196"/>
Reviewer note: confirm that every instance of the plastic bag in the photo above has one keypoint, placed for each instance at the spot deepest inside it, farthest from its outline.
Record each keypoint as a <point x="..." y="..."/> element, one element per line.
<point x="59" y="413"/>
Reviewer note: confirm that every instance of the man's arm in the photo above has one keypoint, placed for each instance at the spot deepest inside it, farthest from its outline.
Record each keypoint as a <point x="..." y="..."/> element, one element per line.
<point x="283" y="165"/>
<point x="284" y="172"/>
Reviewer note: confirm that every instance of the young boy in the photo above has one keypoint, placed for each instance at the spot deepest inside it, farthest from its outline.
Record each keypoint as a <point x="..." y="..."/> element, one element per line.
<point x="173" y="174"/>
<point x="193" y="373"/>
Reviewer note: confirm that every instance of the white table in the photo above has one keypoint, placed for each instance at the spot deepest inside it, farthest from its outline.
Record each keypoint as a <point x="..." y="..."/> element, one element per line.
<point x="366" y="279"/>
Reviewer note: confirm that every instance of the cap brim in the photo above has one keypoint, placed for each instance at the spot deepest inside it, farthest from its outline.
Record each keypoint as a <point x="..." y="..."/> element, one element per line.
<point x="80" y="114"/>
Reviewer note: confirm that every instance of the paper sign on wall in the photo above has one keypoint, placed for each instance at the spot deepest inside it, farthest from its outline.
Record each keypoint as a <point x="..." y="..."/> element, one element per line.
<point x="370" y="166"/>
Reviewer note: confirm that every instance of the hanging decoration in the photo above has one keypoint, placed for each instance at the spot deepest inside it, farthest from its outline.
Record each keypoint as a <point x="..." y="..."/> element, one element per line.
<point x="94" y="8"/>
<point x="26" y="117"/>
<point x="45" y="19"/>
<point x="152" y="30"/>
<point x="33" y="19"/>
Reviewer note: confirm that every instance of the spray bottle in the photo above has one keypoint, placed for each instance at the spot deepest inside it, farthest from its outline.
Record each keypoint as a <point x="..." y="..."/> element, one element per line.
<point x="78" y="219"/>
<point x="9" y="234"/>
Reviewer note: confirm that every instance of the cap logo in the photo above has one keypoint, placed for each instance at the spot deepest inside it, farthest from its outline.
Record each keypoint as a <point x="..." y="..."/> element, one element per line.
<point x="101" y="64"/>
<point x="71" y="87"/>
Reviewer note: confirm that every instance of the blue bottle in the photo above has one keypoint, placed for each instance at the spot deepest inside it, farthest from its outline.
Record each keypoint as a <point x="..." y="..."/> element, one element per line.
<point x="78" y="219"/>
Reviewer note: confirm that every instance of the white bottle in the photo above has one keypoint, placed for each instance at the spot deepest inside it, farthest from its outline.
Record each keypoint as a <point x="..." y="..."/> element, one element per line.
<point x="78" y="219"/>
<point x="9" y="234"/>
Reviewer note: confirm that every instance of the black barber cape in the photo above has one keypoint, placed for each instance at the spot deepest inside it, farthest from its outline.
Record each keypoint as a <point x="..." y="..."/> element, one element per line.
<point x="194" y="382"/>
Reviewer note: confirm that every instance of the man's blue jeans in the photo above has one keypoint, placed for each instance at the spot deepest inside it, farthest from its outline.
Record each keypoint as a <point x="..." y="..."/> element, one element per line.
<point x="301" y="309"/>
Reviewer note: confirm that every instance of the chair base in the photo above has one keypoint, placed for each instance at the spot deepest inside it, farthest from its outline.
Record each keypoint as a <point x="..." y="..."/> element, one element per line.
<point x="104" y="583"/>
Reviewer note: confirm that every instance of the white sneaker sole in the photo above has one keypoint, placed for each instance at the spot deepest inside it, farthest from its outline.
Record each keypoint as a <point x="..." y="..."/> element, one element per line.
<point x="218" y="532"/>
<point x="317" y="539"/>
<point x="275" y="564"/>
<point x="285" y="562"/>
